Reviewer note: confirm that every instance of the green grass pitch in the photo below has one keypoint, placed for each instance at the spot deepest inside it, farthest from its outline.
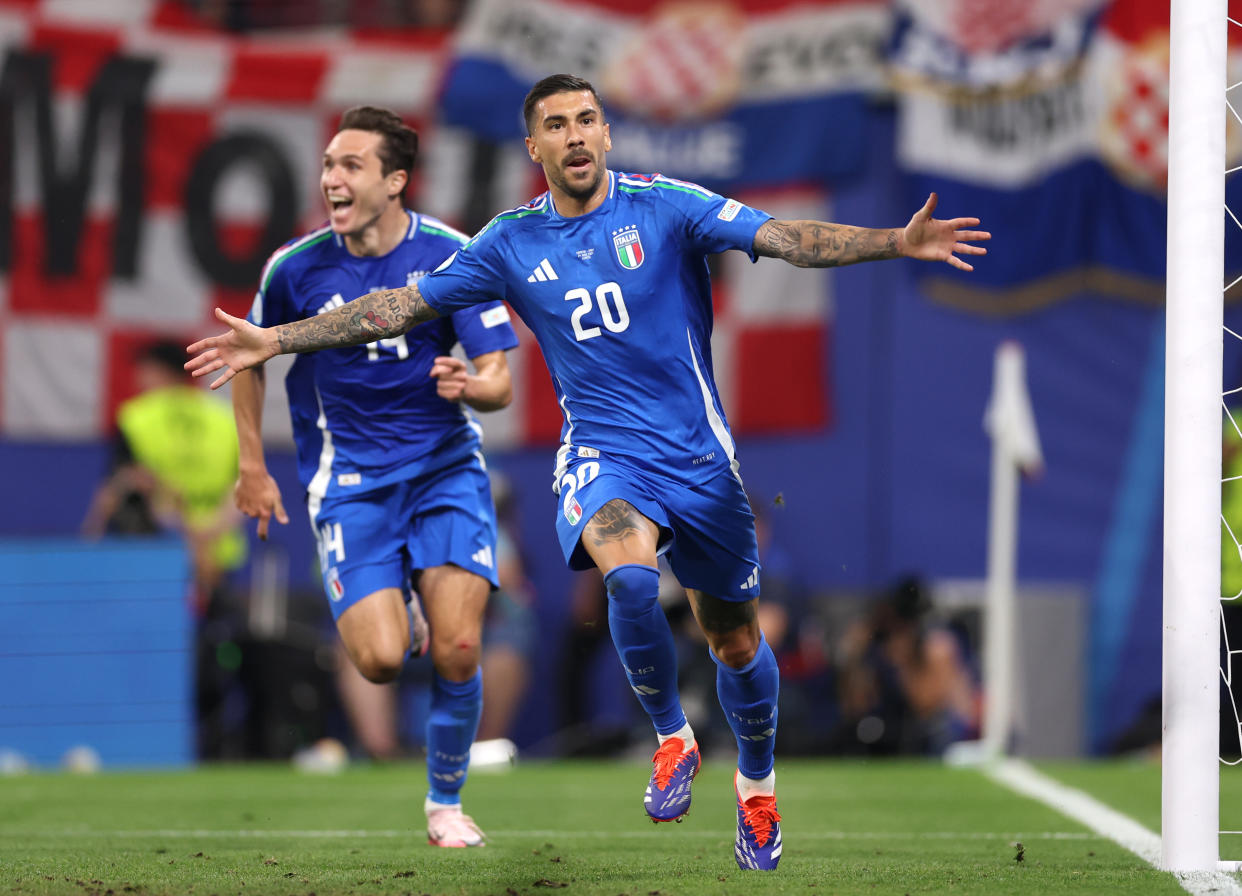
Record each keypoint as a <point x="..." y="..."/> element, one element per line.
<point x="849" y="828"/>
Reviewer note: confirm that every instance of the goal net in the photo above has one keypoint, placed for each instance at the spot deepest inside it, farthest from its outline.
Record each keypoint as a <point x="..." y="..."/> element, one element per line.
<point x="1231" y="450"/>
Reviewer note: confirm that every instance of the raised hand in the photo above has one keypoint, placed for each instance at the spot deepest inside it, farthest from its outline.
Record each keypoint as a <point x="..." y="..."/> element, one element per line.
<point x="930" y="239"/>
<point x="452" y="376"/>
<point x="243" y="346"/>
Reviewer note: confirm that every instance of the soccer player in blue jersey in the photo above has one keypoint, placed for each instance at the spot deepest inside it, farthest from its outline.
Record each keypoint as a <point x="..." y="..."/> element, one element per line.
<point x="390" y="458"/>
<point x="609" y="271"/>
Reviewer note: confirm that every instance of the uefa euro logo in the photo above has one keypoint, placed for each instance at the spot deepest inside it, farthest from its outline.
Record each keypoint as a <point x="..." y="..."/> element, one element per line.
<point x="629" y="247"/>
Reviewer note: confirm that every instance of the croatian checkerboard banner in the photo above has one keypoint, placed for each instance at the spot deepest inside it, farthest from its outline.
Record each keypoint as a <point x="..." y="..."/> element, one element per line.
<point x="148" y="166"/>
<point x="732" y="95"/>
<point x="1048" y="119"/>
<point x="149" y="163"/>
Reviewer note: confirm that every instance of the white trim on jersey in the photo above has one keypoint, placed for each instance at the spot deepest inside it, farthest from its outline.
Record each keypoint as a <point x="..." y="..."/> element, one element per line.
<point x="318" y="487"/>
<point x="281" y="253"/>
<point x="313" y="505"/>
<point x="440" y="225"/>
<point x="562" y="453"/>
<point x="473" y="422"/>
<point x="535" y="205"/>
<point x="661" y="178"/>
<point x="413" y="231"/>
<point x="713" y="416"/>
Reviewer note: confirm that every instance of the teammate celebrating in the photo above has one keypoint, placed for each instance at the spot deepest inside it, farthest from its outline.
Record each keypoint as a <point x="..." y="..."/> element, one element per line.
<point x="395" y="482"/>
<point x="609" y="271"/>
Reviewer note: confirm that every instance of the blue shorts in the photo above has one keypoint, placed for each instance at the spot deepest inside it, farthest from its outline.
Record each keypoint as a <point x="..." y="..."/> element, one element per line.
<point x="381" y="538"/>
<point x="707" y="530"/>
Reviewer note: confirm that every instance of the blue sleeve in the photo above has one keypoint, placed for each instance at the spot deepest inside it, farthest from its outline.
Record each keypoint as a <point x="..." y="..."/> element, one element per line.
<point x="484" y="328"/>
<point x="716" y="224"/>
<point x="273" y="303"/>
<point x="472" y="275"/>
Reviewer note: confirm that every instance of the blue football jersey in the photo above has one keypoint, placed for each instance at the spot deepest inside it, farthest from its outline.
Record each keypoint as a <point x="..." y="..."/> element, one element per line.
<point x="366" y="416"/>
<point x="620" y="302"/>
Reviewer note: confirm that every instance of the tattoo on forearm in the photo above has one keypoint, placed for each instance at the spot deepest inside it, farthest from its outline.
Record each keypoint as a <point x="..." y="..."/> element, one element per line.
<point x="819" y="244"/>
<point x="377" y="315"/>
<point x="615" y="521"/>
<point x="717" y="615"/>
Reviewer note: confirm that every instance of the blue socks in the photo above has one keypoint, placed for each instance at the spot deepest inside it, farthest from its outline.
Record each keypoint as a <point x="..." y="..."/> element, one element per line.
<point x="644" y="642"/>
<point x="748" y="696"/>
<point x="451" y="726"/>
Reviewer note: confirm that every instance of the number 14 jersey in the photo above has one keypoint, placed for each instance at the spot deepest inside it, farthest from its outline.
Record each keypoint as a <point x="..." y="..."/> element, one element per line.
<point x="620" y="302"/>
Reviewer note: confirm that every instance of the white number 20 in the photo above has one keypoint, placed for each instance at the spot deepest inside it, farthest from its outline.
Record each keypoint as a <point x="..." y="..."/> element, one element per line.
<point x="612" y="310"/>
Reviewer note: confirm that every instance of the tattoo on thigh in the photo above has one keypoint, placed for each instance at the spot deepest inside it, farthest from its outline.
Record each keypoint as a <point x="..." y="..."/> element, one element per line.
<point x="716" y="615"/>
<point x="615" y="521"/>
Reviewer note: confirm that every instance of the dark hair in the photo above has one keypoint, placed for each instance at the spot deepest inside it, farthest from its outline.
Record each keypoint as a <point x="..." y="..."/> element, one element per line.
<point x="399" y="148"/>
<point x="554" y="84"/>
<point x="165" y="353"/>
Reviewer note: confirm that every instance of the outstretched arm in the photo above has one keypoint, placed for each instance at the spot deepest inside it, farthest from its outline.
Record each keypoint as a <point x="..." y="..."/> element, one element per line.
<point x="377" y="315"/>
<point x="819" y="244"/>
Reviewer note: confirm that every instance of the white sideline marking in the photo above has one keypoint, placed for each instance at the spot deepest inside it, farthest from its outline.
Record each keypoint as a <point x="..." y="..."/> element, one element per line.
<point x="552" y="835"/>
<point x="1108" y="822"/>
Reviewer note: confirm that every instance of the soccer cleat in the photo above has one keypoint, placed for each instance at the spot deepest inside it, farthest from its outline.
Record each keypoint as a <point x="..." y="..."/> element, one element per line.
<point x="758" y="845"/>
<point x="668" y="792"/>
<point x="420" y="632"/>
<point x="449" y="826"/>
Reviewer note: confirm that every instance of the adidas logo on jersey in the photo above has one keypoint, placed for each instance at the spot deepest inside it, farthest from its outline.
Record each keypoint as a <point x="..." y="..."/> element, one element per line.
<point x="335" y="302"/>
<point x="752" y="581"/>
<point x="483" y="557"/>
<point x="542" y="273"/>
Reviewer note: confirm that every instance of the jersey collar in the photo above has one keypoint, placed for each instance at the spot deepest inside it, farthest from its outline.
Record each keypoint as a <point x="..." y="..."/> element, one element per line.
<point x="612" y="193"/>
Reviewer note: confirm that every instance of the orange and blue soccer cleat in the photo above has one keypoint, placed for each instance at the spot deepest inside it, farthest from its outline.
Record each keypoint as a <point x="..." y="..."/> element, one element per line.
<point x="668" y="792"/>
<point x="758" y="845"/>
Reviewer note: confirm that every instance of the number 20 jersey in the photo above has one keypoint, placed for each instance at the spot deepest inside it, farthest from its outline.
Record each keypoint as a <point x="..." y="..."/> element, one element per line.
<point x="620" y="302"/>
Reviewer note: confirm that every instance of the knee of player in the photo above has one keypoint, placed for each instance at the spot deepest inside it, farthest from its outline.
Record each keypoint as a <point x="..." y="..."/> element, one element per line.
<point x="456" y="654"/>
<point x="633" y="589"/>
<point x="736" y="649"/>
<point x="379" y="665"/>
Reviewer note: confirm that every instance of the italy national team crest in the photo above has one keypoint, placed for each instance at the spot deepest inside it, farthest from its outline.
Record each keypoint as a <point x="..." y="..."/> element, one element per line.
<point x="629" y="247"/>
<point x="572" y="509"/>
<point x="335" y="586"/>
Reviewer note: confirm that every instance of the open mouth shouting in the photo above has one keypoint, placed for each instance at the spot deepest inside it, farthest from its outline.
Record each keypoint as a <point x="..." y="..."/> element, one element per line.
<point x="339" y="205"/>
<point x="579" y="162"/>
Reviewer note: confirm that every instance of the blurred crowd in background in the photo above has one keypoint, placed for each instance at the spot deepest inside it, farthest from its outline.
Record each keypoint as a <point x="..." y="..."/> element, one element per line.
<point x="165" y="147"/>
<point x="896" y="678"/>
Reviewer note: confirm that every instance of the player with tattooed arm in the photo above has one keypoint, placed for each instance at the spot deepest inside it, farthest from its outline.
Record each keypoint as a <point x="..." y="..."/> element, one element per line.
<point x="609" y="271"/>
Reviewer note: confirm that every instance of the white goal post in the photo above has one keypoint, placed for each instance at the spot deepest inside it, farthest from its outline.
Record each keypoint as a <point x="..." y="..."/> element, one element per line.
<point x="1192" y="437"/>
